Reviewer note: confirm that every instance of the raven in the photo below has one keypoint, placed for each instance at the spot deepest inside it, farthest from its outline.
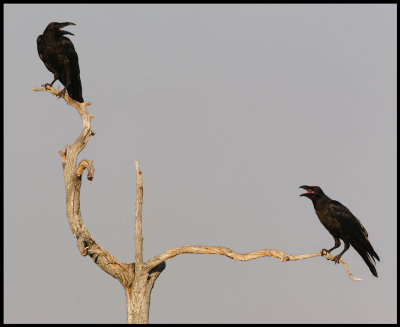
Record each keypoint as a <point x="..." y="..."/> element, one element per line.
<point x="59" y="56"/>
<point x="341" y="224"/>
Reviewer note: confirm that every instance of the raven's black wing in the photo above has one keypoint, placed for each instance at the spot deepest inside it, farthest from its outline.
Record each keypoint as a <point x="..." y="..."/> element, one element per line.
<point x="355" y="233"/>
<point x="346" y="218"/>
<point x="43" y="54"/>
<point x="71" y="76"/>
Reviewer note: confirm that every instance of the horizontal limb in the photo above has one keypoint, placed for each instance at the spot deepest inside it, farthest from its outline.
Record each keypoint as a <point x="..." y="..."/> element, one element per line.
<point x="201" y="249"/>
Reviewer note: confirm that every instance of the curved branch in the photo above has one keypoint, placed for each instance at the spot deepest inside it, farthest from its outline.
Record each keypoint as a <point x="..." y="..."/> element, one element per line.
<point x="328" y="256"/>
<point x="201" y="249"/>
<point x="83" y="138"/>
<point x="72" y="178"/>
<point x="88" y="164"/>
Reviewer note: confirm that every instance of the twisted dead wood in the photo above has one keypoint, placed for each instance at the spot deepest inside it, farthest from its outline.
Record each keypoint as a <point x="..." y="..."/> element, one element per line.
<point x="137" y="278"/>
<point x="73" y="180"/>
<point x="201" y="249"/>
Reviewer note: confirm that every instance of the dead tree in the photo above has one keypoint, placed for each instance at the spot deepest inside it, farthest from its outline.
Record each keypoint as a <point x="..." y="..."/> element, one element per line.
<point x="137" y="278"/>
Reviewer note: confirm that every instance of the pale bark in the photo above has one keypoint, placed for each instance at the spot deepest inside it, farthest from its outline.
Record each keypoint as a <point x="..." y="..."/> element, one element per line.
<point x="201" y="249"/>
<point x="137" y="278"/>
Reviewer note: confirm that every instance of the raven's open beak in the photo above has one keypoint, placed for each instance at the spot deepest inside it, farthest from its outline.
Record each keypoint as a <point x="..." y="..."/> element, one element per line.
<point x="66" y="24"/>
<point x="307" y="188"/>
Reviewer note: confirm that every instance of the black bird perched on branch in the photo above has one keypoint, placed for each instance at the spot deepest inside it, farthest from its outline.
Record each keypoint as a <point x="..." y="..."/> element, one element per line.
<point x="342" y="224"/>
<point x="59" y="56"/>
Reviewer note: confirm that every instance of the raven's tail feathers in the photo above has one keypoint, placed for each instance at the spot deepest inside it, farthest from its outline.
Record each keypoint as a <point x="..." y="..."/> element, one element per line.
<point x="75" y="89"/>
<point x="367" y="254"/>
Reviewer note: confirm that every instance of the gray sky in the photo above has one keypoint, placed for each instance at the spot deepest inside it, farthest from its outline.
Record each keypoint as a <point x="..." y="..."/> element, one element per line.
<point x="228" y="109"/>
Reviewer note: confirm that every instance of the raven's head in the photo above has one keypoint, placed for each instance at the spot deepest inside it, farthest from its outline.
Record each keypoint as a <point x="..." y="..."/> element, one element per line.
<point x="56" y="28"/>
<point x="313" y="192"/>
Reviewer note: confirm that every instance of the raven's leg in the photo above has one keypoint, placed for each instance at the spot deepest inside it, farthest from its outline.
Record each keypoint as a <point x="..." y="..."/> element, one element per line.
<point x="62" y="92"/>
<point x="67" y="82"/>
<point x="346" y="247"/>
<point x="337" y="244"/>
<point x="51" y="84"/>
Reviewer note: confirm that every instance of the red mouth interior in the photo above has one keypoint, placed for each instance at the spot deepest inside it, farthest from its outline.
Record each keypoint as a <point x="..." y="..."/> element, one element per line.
<point x="309" y="191"/>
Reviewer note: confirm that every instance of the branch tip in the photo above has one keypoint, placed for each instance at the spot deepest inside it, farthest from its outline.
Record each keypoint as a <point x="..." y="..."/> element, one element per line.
<point x="88" y="164"/>
<point x="62" y="154"/>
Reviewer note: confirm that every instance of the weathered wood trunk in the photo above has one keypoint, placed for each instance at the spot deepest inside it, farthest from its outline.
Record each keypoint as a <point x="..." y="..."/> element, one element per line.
<point x="138" y="295"/>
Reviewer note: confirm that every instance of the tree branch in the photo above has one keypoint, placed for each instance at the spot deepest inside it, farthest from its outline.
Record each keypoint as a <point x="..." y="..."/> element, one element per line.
<point x="88" y="164"/>
<point x="201" y="249"/>
<point x="138" y="218"/>
<point x="72" y="178"/>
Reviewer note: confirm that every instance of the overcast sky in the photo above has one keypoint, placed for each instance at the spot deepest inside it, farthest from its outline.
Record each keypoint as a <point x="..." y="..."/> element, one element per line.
<point x="228" y="109"/>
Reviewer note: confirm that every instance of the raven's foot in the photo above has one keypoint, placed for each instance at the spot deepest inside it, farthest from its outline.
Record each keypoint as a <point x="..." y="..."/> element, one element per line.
<point x="324" y="252"/>
<point x="47" y="85"/>
<point x="61" y="94"/>
<point x="337" y="259"/>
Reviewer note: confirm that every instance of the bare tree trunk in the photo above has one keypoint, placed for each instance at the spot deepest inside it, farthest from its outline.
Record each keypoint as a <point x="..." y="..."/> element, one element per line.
<point x="137" y="278"/>
<point x="138" y="295"/>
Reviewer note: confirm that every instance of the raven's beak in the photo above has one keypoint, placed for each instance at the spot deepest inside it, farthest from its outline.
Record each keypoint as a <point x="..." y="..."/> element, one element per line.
<point x="66" y="24"/>
<point x="307" y="188"/>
